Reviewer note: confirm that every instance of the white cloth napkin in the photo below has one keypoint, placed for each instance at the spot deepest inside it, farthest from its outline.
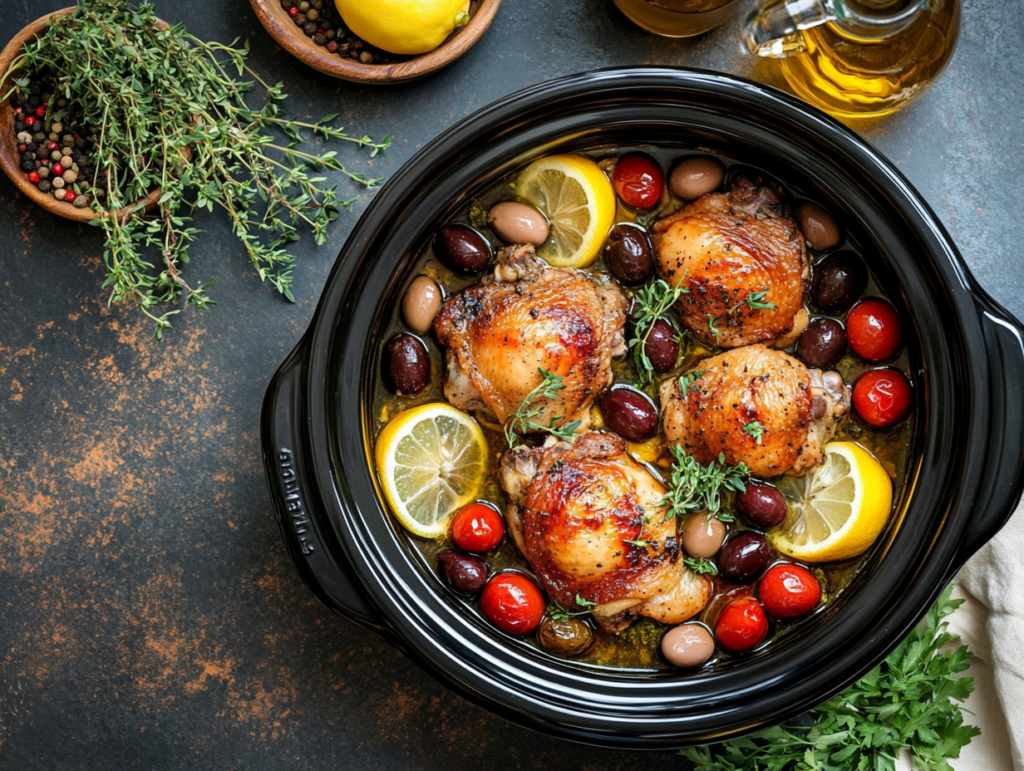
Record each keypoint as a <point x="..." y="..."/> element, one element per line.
<point x="991" y="623"/>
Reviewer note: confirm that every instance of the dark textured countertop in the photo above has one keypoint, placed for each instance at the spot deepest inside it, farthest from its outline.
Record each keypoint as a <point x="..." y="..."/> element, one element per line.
<point x="149" y="615"/>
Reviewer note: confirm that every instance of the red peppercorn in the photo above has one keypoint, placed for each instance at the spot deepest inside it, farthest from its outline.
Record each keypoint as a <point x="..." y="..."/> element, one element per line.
<point x="69" y="196"/>
<point x="44" y="161"/>
<point x="33" y="177"/>
<point x="40" y="111"/>
<point x="30" y="120"/>
<point x="52" y="145"/>
<point x="638" y="180"/>
<point x="58" y="169"/>
<point x="873" y="330"/>
<point x="22" y="148"/>
<point x="293" y="11"/>
<point x="882" y="397"/>
<point x="788" y="591"/>
<point x="742" y="625"/>
<point x="477" y="527"/>
<point x="333" y="46"/>
<point x="17" y="111"/>
<point x="513" y="603"/>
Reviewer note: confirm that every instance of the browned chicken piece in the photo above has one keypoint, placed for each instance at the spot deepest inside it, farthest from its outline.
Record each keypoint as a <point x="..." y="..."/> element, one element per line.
<point x="736" y="253"/>
<point x="529" y="316"/>
<point x="586" y="517"/>
<point x="758" y="406"/>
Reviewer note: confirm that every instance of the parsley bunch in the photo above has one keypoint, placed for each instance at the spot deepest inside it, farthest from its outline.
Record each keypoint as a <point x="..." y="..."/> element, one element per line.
<point x="908" y="701"/>
<point x="168" y="111"/>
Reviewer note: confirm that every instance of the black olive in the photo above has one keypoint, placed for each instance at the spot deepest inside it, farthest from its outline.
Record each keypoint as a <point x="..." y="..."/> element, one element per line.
<point x="407" y="364"/>
<point x="628" y="254"/>
<point x="630" y="413"/>
<point x="838" y="281"/>
<point x="462" y="249"/>
<point x="822" y="343"/>
<point x="762" y="506"/>
<point x="569" y="637"/>
<point x="744" y="557"/>
<point x="465" y="573"/>
<point x="662" y="347"/>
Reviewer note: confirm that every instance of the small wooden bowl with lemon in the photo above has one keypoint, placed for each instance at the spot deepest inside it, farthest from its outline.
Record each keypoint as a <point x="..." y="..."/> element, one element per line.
<point x="423" y="35"/>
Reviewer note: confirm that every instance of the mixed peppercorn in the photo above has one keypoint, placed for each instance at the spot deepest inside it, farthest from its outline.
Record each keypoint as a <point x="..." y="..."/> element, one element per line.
<point x="321" y="22"/>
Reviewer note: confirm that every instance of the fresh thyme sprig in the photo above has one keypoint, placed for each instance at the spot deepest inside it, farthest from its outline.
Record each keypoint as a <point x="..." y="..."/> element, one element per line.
<point x="695" y="487"/>
<point x="688" y="380"/>
<point x="755" y="301"/>
<point x="910" y="701"/>
<point x="700" y="566"/>
<point x="712" y="328"/>
<point x="652" y="303"/>
<point x="557" y="612"/>
<point x="755" y="430"/>
<point x="168" y="111"/>
<point x="521" y="421"/>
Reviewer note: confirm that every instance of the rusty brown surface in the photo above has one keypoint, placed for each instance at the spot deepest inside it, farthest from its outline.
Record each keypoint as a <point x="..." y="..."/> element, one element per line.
<point x="149" y="616"/>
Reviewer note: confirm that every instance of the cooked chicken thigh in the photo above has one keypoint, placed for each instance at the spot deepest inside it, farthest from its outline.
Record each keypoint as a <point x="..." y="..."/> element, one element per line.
<point x="586" y="517"/>
<point x="742" y="260"/>
<point x="756" y="405"/>
<point x="529" y="316"/>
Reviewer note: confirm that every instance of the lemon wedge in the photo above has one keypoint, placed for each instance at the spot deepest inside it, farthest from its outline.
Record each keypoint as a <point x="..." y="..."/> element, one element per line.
<point x="579" y="203"/>
<point x="431" y="461"/>
<point x="838" y="509"/>
<point x="404" y="26"/>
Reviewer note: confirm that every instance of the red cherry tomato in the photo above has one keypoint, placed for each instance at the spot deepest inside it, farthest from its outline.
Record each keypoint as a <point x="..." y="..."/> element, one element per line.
<point x="638" y="180"/>
<point x="873" y="330"/>
<point x="882" y="397"/>
<point x="477" y="527"/>
<point x="788" y="591"/>
<point x="742" y="625"/>
<point x="513" y="603"/>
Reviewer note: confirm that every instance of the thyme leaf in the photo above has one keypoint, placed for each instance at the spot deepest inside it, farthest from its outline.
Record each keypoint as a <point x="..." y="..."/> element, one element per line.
<point x="557" y="612"/>
<point x="652" y="303"/>
<point x="521" y="421"/>
<point x="695" y="487"/>
<point x="755" y="430"/>
<point x="700" y="566"/>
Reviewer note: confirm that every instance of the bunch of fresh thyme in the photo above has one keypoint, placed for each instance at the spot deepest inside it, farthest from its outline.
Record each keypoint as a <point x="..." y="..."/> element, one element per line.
<point x="907" y="702"/>
<point x="695" y="487"/>
<point x="521" y="421"/>
<point x="169" y="112"/>
<point x="652" y="303"/>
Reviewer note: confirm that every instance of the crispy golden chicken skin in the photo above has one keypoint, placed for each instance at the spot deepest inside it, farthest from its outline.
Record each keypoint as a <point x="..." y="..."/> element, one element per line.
<point x="758" y="406"/>
<point x="526" y="317"/>
<point x="577" y="513"/>
<point x="734" y="253"/>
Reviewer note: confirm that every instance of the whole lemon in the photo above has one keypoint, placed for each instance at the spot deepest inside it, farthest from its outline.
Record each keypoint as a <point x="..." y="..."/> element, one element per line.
<point x="404" y="26"/>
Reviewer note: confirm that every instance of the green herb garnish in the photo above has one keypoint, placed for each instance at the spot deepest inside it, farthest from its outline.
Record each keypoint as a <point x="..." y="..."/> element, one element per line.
<point x="169" y="111"/>
<point x="700" y="566"/>
<point x="652" y="303"/>
<point x="755" y="301"/>
<point x="521" y="421"/>
<point x="557" y="612"/>
<point x="908" y="701"/>
<point x="688" y="380"/>
<point x="712" y="328"/>
<point x="694" y="487"/>
<point x="755" y="430"/>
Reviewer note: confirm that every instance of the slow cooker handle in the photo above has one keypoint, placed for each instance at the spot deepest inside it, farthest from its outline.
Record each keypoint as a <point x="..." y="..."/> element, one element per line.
<point x="300" y="512"/>
<point x="1004" y="468"/>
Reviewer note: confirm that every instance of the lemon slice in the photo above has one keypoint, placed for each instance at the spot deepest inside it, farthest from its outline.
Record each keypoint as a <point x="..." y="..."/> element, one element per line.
<point x="431" y="461"/>
<point x="838" y="509"/>
<point x="579" y="203"/>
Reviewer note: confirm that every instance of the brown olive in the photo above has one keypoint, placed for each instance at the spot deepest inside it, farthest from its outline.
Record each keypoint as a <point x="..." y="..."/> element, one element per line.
<point x="838" y="281"/>
<point x="407" y="364"/>
<point x="662" y="346"/>
<point x="822" y="343"/>
<point x="421" y="304"/>
<point x="695" y="177"/>
<point x="744" y="557"/>
<point x="687" y="645"/>
<point x="702" y="537"/>
<point x="568" y="637"/>
<point x="465" y="573"/>
<point x="462" y="249"/>
<point x="630" y="413"/>
<point x="820" y="230"/>
<point x="762" y="506"/>
<point x="628" y="254"/>
<point x="518" y="223"/>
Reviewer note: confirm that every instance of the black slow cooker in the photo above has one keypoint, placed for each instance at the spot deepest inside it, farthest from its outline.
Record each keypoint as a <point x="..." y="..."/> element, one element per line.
<point x="965" y="477"/>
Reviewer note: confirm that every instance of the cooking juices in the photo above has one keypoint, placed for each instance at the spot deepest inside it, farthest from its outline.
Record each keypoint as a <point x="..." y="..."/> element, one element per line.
<point x="742" y="555"/>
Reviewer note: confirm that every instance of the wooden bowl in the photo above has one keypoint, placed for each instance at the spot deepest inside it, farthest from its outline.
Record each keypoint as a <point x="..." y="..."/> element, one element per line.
<point x="10" y="158"/>
<point x="281" y="27"/>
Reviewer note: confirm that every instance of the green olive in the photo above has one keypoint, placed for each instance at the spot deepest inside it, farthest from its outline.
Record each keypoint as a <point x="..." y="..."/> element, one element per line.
<point x="569" y="637"/>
